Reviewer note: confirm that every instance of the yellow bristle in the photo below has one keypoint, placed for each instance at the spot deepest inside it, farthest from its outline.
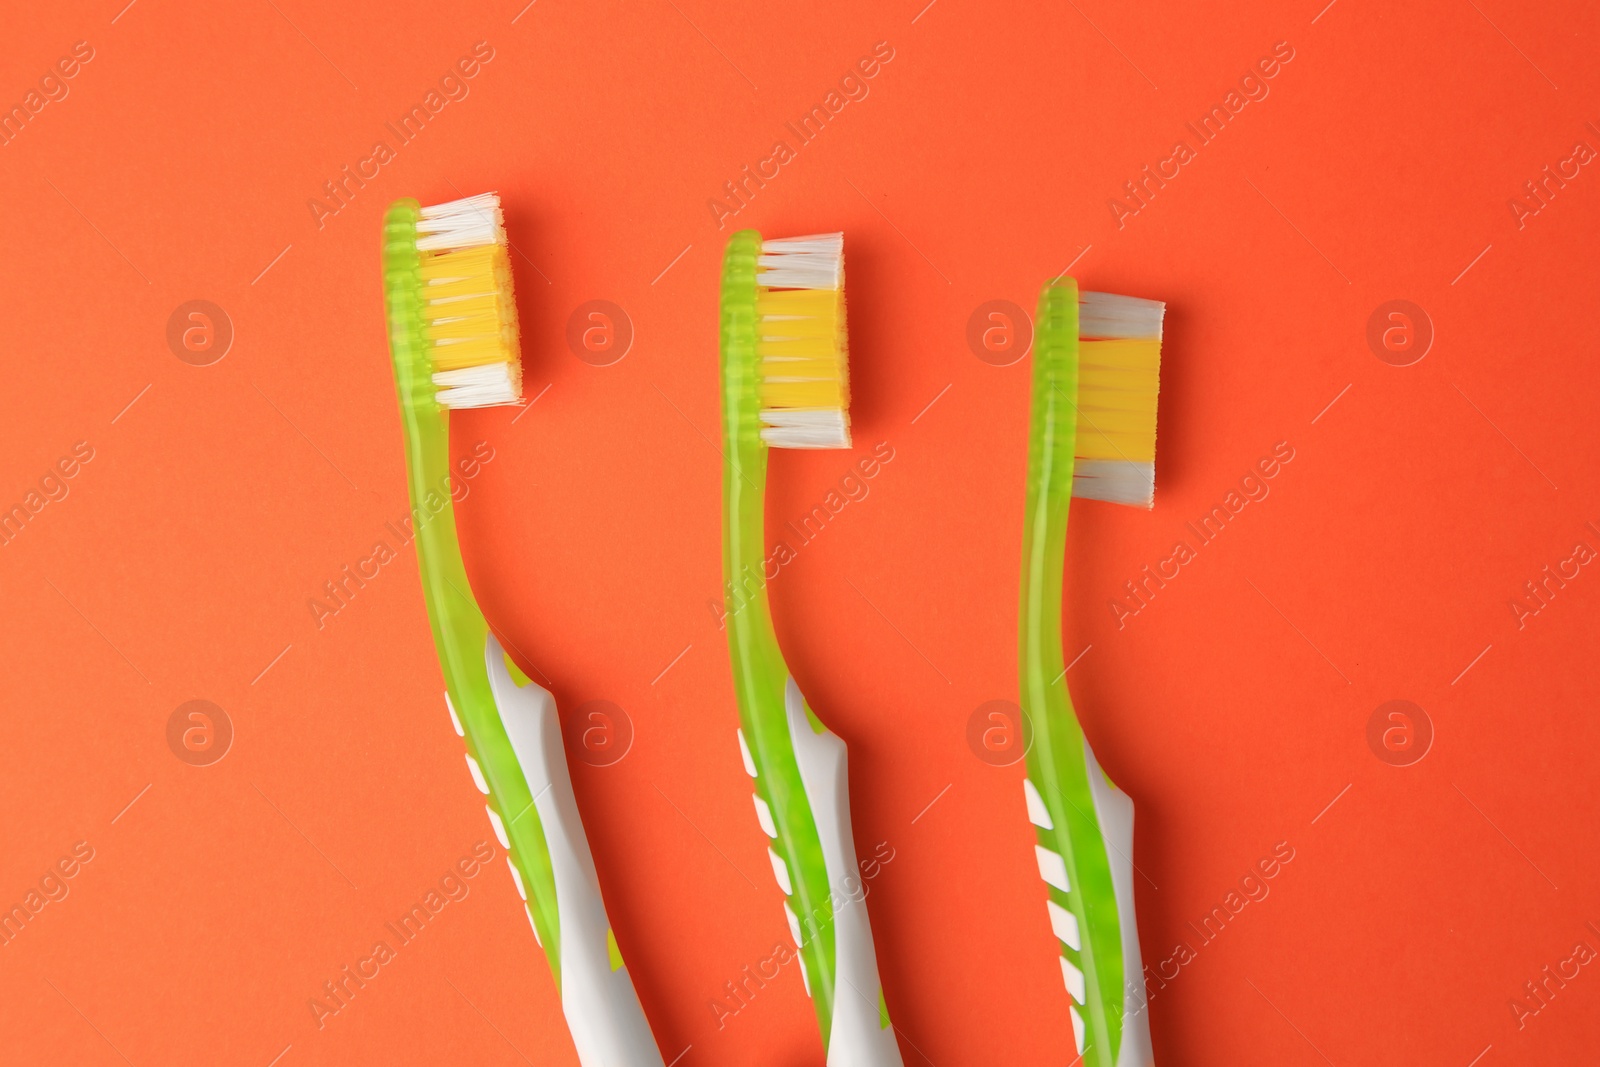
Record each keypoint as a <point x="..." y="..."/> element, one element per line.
<point x="1117" y="388"/>
<point x="801" y="394"/>
<point x="478" y="262"/>
<point x="474" y="353"/>
<point x="470" y="315"/>
<point x="803" y="356"/>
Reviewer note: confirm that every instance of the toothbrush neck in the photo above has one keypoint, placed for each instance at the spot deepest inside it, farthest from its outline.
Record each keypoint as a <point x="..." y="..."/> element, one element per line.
<point x="1052" y="440"/>
<point x="459" y="627"/>
<point x="748" y="615"/>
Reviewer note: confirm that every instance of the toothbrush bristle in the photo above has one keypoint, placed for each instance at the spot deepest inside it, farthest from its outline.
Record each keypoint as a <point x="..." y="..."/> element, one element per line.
<point x="801" y="349"/>
<point x="469" y="311"/>
<point x="1119" y="363"/>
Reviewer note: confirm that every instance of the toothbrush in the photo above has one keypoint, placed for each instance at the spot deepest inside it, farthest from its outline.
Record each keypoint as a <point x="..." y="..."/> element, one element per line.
<point x="453" y="338"/>
<point x="784" y="385"/>
<point x="1096" y="360"/>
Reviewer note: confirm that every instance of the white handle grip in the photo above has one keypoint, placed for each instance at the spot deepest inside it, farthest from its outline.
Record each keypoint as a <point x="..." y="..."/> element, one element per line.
<point x="856" y="1038"/>
<point x="1114" y="809"/>
<point x="602" y="1008"/>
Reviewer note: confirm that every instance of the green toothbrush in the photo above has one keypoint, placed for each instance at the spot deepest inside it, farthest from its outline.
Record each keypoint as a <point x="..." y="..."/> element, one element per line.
<point x="453" y="339"/>
<point x="784" y="384"/>
<point x="1092" y="433"/>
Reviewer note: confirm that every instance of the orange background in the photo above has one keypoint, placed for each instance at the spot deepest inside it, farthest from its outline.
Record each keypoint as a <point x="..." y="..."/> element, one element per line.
<point x="1233" y="707"/>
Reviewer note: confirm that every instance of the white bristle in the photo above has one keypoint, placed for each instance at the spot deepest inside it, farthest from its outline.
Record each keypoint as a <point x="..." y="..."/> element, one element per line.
<point x="815" y="262"/>
<point x="1107" y="316"/>
<point x="805" y="428"/>
<point x="1115" y="481"/>
<point x="478" y="387"/>
<point x="466" y="223"/>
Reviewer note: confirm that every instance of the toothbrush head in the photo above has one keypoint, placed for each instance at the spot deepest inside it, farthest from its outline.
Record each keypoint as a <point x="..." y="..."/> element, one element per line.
<point x="452" y="315"/>
<point x="800" y="349"/>
<point x="1119" y="363"/>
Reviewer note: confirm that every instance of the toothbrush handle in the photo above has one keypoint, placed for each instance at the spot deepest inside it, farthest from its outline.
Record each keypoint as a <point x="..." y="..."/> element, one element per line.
<point x="859" y="1034"/>
<point x="1084" y="824"/>
<point x="1114" y="808"/>
<point x="597" y="996"/>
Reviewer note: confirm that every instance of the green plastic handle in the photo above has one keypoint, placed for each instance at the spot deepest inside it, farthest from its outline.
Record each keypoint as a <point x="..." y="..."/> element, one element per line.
<point x="1058" y="761"/>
